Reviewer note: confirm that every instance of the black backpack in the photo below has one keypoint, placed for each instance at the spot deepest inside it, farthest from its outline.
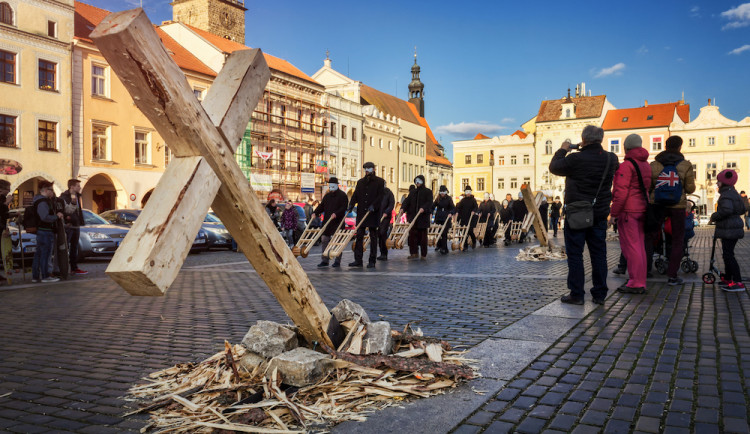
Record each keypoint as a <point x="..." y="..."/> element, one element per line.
<point x="30" y="219"/>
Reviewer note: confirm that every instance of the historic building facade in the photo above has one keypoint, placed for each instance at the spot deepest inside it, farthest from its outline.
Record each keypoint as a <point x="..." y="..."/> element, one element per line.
<point x="225" y="18"/>
<point x="35" y="93"/>
<point x="651" y="122"/>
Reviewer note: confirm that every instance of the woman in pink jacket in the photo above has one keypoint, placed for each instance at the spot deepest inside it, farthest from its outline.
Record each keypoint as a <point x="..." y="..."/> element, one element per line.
<point x="629" y="208"/>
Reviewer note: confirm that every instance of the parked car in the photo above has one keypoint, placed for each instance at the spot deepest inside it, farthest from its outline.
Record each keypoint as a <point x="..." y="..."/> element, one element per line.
<point x="126" y="218"/>
<point x="350" y="221"/>
<point x="218" y="235"/>
<point x="27" y="240"/>
<point x="703" y="220"/>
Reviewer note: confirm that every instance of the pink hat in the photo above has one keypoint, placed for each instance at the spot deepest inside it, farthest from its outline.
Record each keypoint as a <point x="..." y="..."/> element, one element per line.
<point x="727" y="177"/>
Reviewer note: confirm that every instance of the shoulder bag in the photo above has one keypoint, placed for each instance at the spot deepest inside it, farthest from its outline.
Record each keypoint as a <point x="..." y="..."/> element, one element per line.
<point x="652" y="219"/>
<point x="580" y="214"/>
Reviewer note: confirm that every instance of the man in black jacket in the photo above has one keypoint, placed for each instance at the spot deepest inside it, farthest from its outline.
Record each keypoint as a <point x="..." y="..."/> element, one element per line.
<point x="584" y="171"/>
<point x="368" y="196"/>
<point x="444" y="208"/>
<point x="419" y="199"/>
<point x="555" y="215"/>
<point x="73" y="211"/>
<point x="385" y="220"/>
<point x="519" y="210"/>
<point x="466" y="209"/>
<point x="487" y="215"/>
<point x="333" y="208"/>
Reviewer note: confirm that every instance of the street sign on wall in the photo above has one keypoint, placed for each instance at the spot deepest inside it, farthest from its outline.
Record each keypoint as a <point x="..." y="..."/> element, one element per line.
<point x="261" y="182"/>
<point x="307" y="182"/>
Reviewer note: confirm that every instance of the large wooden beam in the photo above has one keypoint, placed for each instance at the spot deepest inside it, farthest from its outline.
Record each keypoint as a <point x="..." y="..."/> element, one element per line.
<point x="131" y="46"/>
<point x="533" y="208"/>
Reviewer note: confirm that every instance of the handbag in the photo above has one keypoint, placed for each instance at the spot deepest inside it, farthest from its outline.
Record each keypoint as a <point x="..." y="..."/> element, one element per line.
<point x="652" y="220"/>
<point x="580" y="214"/>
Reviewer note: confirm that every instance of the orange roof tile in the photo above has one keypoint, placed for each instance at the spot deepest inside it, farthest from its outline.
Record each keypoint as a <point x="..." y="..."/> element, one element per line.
<point x="87" y="17"/>
<point x="520" y="134"/>
<point x="586" y="107"/>
<point x="660" y="115"/>
<point x="480" y="136"/>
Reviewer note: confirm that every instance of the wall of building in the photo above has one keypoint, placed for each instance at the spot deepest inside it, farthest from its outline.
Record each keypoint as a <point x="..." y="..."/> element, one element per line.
<point x="380" y="146"/>
<point x="412" y="151"/>
<point x="345" y="143"/>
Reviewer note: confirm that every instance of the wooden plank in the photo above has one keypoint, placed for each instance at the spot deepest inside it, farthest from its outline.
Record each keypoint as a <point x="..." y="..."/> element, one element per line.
<point x="133" y="49"/>
<point x="533" y="208"/>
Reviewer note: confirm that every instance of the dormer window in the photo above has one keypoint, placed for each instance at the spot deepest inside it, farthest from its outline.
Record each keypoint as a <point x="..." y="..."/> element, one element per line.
<point x="625" y="119"/>
<point x="6" y="14"/>
<point x="567" y="113"/>
<point x="650" y="117"/>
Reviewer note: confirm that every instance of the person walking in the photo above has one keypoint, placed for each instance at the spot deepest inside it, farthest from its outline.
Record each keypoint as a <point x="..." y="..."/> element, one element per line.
<point x="386" y="215"/>
<point x="519" y="210"/>
<point x="45" y="234"/>
<point x="466" y="209"/>
<point x="419" y="199"/>
<point x="588" y="180"/>
<point x="746" y="202"/>
<point x="487" y="215"/>
<point x="289" y="218"/>
<point x="629" y="202"/>
<point x="444" y="209"/>
<point x="555" y="215"/>
<point x="368" y="197"/>
<point x="672" y="178"/>
<point x="729" y="228"/>
<point x="73" y="212"/>
<point x="333" y="208"/>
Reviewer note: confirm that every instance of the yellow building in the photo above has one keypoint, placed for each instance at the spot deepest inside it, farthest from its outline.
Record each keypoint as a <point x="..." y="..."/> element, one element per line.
<point x="35" y="93"/>
<point x="117" y="153"/>
<point x="714" y="143"/>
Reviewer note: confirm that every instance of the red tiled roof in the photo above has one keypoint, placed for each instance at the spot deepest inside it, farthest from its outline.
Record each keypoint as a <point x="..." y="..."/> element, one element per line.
<point x="273" y="62"/>
<point x="520" y="134"/>
<point x="586" y="107"/>
<point x="87" y="17"/>
<point x="480" y="136"/>
<point x="661" y="116"/>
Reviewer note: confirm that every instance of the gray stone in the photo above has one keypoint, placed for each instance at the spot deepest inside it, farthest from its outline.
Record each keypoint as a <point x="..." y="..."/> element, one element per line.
<point x="537" y="328"/>
<point x="301" y="366"/>
<point x="269" y="339"/>
<point x="250" y="361"/>
<point x="347" y="309"/>
<point x="505" y="358"/>
<point x="378" y="338"/>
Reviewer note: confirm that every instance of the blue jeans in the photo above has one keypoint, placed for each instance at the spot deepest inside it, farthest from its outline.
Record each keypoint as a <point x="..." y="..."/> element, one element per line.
<point x="44" y="242"/>
<point x="595" y="238"/>
<point x="747" y="221"/>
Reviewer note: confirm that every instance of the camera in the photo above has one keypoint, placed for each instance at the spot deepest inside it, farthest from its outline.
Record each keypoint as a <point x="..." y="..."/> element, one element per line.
<point x="575" y="145"/>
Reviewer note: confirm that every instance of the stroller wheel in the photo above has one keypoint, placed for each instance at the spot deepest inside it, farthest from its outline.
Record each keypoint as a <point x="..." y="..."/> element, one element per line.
<point x="661" y="266"/>
<point x="709" y="278"/>
<point x="693" y="266"/>
<point x="685" y="266"/>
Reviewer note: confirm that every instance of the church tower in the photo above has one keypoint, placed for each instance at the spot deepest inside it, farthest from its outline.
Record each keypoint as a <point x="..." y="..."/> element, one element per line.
<point x="416" y="88"/>
<point x="225" y="18"/>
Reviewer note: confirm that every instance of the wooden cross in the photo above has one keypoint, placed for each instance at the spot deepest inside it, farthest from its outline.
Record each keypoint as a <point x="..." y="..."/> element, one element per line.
<point x="532" y="206"/>
<point x="203" y="173"/>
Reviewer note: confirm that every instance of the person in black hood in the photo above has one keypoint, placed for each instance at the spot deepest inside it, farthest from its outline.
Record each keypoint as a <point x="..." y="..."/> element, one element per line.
<point x="466" y="209"/>
<point x="333" y="208"/>
<point x="368" y="196"/>
<point x="584" y="171"/>
<point x="389" y="202"/>
<point x="729" y="228"/>
<point x="555" y="215"/>
<point x="487" y="214"/>
<point x="73" y="211"/>
<point x="519" y="210"/>
<point x="419" y="199"/>
<point x="444" y="209"/>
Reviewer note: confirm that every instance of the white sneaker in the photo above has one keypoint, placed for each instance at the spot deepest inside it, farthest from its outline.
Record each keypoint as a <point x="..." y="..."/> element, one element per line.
<point x="50" y="279"/>
<point x="36" y="280"/>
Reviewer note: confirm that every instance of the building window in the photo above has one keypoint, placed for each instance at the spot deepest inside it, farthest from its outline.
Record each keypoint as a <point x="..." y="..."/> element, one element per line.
<point x="47" y="136"/>
<point x="167" y="155"/>
<point x="480" y="158"/>
<point x="52" y="29"/>
<point x="6" y="14"/>
<point x="380" y="143"/>
<point x="372" y="142"/>
<point x="567" y="113"/>
<point x="422" y="151"/>
<point x="311" y="126"/>
<point x="467" y="159"/>
<point x="711" y="141"/>
<point x="333" y="129"/>
<point x="390" y="145"/>
<point x="501" y="160"/>
<point x="7" y="67"/>
<point x="464" y="183"/>
<point x="650" y="117"/>
<point x="411" y="172"/>
<point x="710" y="171"/>
<point x="403" y="173"/>
<point x="47" y="75"/>
<point x="142" y="148"/>
<point x="7" y="131"/>
<point x="411" y="147"/>
<point x="732" y="165"/>
<point x="548" y="147"/>
<point x="691" y="143"/>
<point x="382" y="172"/>
<point x="354" y="135"/>
<point x="99" y="80"/>
<point x="512" y="160"/>
<point x="100" y="142"/>
<point x="354" y="168"/>
<point x="525" y="159"/>
<point x="625" y="119"/>
<point x="480" y="184"/>
<point x="198" y="94"/>
<point x="614" y="145"/>
<point x="500" y="183"/>
<point x="343" y="132"/>
<point x="282" y="162"/>
<point x="513" y="183"/>
<point x="731" y="140"/>
<point x="656" y="143"/>
<point x="527" y="182"/>
<point x="390" y="178"/>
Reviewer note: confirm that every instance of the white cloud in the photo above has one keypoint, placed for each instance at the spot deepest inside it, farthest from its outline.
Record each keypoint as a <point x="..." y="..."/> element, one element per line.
<point x="695" y="11"/>
<point x="745" y="47"/>
<point x="615" y="69"/>
<point x="463" y="128"/>
<point x="642" y="50"/>
<point x="507" y="120"/>
<point x="738" y="17"/>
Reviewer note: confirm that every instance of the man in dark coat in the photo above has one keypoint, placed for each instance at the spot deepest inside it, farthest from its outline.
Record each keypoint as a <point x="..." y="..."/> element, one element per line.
<point x="466" y="209"/>
<point x="555" y="215"/>
<point x="368" y="196"/>
<point x="487" y="214"/>
<point x="333" y="208"/>
<point x="73" y="211"/>
<point x="419" y="199"/>
<point x="519" y="211"/>
<point x="444" y="209"/>
<point x="386" y="215"/>
<point x="583" y="172"/>
<point x="544" y="211"/>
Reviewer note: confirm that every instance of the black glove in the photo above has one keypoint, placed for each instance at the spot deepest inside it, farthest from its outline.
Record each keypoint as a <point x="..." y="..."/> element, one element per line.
<point x="371" y="208"/>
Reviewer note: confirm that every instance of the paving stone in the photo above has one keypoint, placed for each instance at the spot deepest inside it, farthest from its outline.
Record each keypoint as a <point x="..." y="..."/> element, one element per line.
<point x="481" y="418"/>
<point x="616" y="426"/>
<point x="512" y="415"/>
<point x="467" y="429"/>
<point x="735" y="425"/>
<point x="543" y="411"/>
<point x="563" y="422"/>
<point x="531" y="425"/>
<point x="594" y="417"/>
<point x="647" y="424"/>
<point x="499" y="427"/>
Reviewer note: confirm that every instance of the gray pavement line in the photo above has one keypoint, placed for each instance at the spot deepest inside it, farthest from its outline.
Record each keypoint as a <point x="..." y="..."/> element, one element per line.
<point x="198" y="267"/>
<point x="46" y="285"/>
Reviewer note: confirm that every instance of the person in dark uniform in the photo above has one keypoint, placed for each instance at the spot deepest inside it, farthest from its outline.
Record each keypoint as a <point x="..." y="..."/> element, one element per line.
<point x="486" y="214"/>
<point x="491" y="231"/>
<point x="519" y="210"/>
<point x="385" y="221"/>
<point x="333" y="208"/>
<point x="555" y="215"/>
<point x="506" y="216"/>
<point x="368" y="196"/>
<point x="466" y="209"/>
<point x="544" y="211"/>
<point x="419" y="199"/>
<point x="444" y="209"/>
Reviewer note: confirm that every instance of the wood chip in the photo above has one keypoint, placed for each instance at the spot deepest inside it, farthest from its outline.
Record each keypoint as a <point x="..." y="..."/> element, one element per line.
<point x="434" y="352"/>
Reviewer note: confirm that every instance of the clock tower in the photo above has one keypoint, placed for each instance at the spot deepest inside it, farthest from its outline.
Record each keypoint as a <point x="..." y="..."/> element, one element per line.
<point x="225" y="18"/>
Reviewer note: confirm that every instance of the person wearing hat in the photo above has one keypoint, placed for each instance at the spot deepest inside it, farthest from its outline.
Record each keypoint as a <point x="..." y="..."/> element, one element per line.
<point x="444" y="209"/>
<point x="419" y="199"/>
<point x="629" y="210"/>
<point x="333" y="208"/>
<point x="729" y="228"/>
<point x="466" y="209"/>
<point x="368" y="196"/>
<point x="671" y="159"/>
<point x="519" y="211"/>
<point x="386" y="215"/>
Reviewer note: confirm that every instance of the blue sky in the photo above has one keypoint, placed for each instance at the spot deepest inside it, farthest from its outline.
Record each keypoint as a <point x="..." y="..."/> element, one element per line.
<point x="487" y="65"/>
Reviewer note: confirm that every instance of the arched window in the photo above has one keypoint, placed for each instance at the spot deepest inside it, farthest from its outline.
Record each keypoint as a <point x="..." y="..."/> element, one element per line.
<point x="6" y="14"/>
<point x="548" y="147"/>
<point x="567" y="113"/>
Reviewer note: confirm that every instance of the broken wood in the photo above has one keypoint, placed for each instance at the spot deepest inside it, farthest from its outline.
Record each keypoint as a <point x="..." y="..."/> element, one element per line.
<point x="409" y="338"/>
<point x="532" y="204"/>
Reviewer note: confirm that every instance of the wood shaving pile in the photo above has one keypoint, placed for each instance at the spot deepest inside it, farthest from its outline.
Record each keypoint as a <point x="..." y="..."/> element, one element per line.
<point x="538" y="253"/>
<point x="217" y="394"/>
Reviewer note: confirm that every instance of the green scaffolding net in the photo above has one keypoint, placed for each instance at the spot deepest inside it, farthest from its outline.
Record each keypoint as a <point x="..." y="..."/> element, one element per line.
<point x="244" y="154"/>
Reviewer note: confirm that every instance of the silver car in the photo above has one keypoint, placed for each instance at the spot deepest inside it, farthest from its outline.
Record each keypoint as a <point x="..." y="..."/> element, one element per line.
<point x="125" y="218"/>
<point x="218" y="235"/>
<point x="98" y="237"/>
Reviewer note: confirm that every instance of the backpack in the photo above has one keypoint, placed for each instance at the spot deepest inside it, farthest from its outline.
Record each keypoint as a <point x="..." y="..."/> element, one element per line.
<point x="30" y="219"/>
<point x="668" y="189"/>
